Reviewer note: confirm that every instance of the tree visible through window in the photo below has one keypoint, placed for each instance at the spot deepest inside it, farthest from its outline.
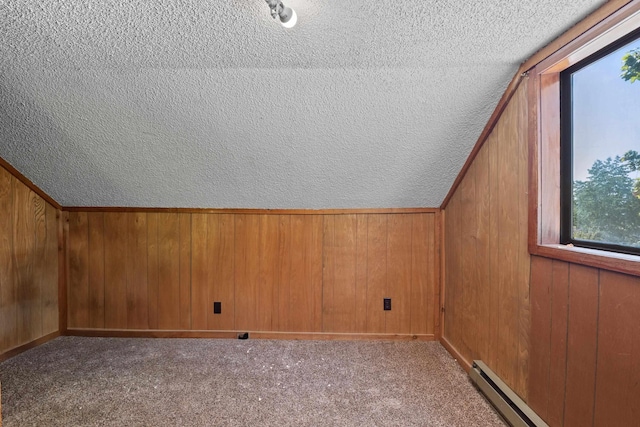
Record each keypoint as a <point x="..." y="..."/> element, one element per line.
<point x="600" y="162"/>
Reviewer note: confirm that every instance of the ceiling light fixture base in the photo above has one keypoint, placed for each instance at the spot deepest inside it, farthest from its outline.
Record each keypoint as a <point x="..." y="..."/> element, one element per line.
<point x="288" y="17"/>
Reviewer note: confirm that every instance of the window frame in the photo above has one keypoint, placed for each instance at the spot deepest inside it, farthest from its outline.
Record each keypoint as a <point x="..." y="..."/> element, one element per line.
<point x="544" y="144"/>
<point x="567" y="150"/>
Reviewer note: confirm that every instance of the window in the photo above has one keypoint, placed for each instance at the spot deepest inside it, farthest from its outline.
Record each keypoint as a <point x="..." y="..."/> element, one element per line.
<point x="600" y="145"/>
<point x="608" y="30"/>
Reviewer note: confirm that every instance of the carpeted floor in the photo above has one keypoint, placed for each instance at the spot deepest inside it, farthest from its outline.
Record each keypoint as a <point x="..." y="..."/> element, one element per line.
<point x="75" y="381"/>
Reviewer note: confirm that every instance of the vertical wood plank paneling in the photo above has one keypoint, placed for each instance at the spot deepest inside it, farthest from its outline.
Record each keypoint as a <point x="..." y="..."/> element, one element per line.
<point x="540" y="341"/>
<point x="221" y="247"/>
<point x="494" y="257"/>
<point x="303" y="301"/>
<point x="558" y="352"/>
<point x="398" y="320"/>
<point x="168" y="271"/>
<point x="63" y="270"/>
<point x="50" y="273"/>
<point x="487" y="264"/>
<point x="96" y="269"/>
<point x="268" y="282"/>
<point x="432" y="273"/>
<point x="469" y="283"/>
<point x="136" y="271"/>
<point x="523" y="267"/>
<point x="617" y="399"/>
<point x="361" y="273"/>
<point x="152" y="269"/>
<point x="29" y="323"/>
<point x="453" y="311"/>
<point x="247" y="269"/>
<point x="39" y="267"/>
<point x="483" y="252"/>
<point x="185" y="270"/>
<point x="78" y="292"/>
<point x="294" y="273"/>
<point x="202" y="296"/>
<point x="29" y="291"/>
<point x="8" y="295"/>
<point x="581" y="346"/>
<point x="508" y="321"/>
<point x="421" y="265"/>
<point x="281" y="321"/>
<point x="344" y="283"/>
<point x="115" y="276"/>
<point x="376" y="271"/>
<point x="328" y="272"/>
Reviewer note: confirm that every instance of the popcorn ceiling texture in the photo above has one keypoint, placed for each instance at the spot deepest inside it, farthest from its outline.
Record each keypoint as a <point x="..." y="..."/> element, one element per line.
<point x="191" y="103"/>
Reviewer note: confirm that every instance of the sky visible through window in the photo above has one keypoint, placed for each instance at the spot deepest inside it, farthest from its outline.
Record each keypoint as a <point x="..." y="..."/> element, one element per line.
<point x="606" y="112"/>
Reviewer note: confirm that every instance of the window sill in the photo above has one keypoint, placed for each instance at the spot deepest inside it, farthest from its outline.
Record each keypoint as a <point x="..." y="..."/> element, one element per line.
<point x="623" y="263"/>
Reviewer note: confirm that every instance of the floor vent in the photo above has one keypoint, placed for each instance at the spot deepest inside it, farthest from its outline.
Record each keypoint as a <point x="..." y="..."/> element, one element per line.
<point x="508" y="404"/>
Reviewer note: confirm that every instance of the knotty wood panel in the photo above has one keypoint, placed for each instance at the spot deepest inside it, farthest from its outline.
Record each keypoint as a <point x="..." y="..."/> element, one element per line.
<point x="28" y="265"/>
<point x="281" y="273"/>
<point x="487" y="264"/>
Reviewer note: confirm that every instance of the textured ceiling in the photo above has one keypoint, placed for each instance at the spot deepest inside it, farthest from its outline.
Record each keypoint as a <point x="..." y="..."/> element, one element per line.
<point x="193" y="103"/>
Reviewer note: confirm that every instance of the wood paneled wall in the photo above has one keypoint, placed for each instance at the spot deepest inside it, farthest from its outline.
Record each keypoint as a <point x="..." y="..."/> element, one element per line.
<point x="28" y="265"/>
<point x="565" y="337"/>
<point x="279" y="273"/>
<point x="486" y="258"/>
<point x="585" y="345"/>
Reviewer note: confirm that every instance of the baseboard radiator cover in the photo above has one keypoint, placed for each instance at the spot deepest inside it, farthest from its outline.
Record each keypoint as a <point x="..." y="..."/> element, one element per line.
<point x="514" y="410"/>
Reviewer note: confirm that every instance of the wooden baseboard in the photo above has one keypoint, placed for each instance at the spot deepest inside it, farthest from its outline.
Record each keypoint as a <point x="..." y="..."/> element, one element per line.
<point x="146" y="333"/>
<point x="17" y="350"/>
<point x="466" y="365"/>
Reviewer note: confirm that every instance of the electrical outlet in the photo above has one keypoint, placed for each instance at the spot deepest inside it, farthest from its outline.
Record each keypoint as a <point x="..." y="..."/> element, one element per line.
<point x="217" y="307"/>
<point x="387" y="304"/>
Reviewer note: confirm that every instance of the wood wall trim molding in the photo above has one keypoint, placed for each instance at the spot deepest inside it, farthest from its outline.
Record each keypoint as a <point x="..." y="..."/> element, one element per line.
<point x="464" y="363"/>
<point x="253" y="211"/>
<point x="35" y="343"/>
<point x="544" y="140"/>
<point x="146" y="333"/>
<point x="622" y="263"/>
<point x="13" y="171"/>
<point x="577" y="30"/>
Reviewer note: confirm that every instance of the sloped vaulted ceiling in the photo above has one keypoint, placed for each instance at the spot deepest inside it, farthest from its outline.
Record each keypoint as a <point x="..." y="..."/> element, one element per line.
<point x="194" y="103"/>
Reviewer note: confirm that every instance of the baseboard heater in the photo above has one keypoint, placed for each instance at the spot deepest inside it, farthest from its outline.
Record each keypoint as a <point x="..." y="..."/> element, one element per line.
<point x="508" y="404"/>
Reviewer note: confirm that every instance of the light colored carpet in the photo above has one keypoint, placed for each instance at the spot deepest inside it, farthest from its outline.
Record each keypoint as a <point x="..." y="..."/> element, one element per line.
<point x="75" y="381"/>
